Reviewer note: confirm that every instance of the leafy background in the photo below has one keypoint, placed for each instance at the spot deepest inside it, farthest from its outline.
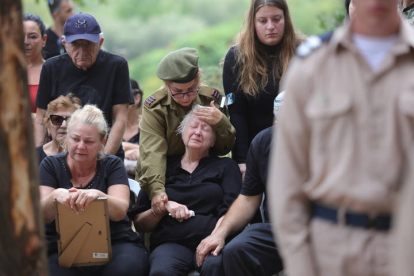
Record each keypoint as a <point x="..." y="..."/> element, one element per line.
<point x="144" y="31"/>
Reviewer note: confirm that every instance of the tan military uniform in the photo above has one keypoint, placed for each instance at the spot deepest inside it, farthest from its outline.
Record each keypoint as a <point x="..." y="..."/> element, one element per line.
<point x="342" y="138"/>
<point x="403" y="264"/>
<point x="158" y="138"/>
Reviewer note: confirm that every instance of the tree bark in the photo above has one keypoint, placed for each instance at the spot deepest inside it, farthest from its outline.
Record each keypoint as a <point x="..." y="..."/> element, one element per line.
<point x="23" y="248"/>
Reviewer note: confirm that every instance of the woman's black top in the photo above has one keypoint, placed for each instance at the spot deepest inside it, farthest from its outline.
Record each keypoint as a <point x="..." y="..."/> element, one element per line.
<point x="208" y="191"/>
<point x="249" y="115"/>
<point x="41" y="154"/>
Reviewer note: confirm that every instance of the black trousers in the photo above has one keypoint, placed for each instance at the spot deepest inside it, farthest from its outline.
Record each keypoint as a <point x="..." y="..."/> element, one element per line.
<point x="252" y="252"/>
<point x="128" y="259"/>
<point x="172" y="259"/>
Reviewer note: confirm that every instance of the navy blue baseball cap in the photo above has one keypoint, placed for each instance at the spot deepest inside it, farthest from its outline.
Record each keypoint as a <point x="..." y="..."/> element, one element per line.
<point x="81" y="26"/>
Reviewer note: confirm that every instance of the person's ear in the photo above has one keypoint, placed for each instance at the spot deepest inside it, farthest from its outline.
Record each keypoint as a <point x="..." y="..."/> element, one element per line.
<point x="44" y="39"/>
<point x="138" y="98"/>
<point x="101" y="41"/>
<point x="65" y="45"/>
<point x="103" y="142"/>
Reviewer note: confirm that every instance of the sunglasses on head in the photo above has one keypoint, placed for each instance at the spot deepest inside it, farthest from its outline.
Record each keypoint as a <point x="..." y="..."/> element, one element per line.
<point x="57" y="120"/>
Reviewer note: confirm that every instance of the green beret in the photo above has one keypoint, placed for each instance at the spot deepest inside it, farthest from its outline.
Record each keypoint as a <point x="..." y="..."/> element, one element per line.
<point x="180" y="66"/>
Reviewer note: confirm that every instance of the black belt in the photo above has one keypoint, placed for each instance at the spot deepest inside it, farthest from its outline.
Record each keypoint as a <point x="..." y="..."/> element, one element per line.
<point x="380" y="222"/>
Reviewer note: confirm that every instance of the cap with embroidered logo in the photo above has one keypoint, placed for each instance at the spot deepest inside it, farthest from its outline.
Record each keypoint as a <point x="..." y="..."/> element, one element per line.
<point x="81" y="26"/>
<point x="180" y="66"/>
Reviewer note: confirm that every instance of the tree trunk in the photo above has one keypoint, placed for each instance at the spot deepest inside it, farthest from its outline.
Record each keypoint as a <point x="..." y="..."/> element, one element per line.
<point x="22" y="246"/>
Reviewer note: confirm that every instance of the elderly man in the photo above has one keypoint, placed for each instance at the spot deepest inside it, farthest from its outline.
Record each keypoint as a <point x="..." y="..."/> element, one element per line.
<point x="343" y="143"/>
<point x="253" y="251"/>
<point x="60" y="10"/>
<point x="91" y="74"/>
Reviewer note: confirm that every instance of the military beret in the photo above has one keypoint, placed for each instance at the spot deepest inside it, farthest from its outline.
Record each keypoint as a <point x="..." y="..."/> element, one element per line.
<point x="180" y="66"/>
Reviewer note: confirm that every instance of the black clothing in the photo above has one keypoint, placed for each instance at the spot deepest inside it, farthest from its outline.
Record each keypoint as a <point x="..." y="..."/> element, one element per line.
<point x="134" y="139"/>
<point x="248" y="115"/>
<point x="53" y="45"/>
<point x="54" y="172"/>
<point x="105" y="83"/>
<point x="252" y="252"/>
<point x="127" y="247"/>
<point x="257" y="166"/>
<point x="172" y="259"/>
<point x="41" y="154"/>
<point x="128" y="259"/>
<point x="208" y="191"/>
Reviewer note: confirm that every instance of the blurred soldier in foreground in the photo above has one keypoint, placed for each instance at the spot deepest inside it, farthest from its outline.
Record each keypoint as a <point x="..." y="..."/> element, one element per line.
<point x="343" y="140"/>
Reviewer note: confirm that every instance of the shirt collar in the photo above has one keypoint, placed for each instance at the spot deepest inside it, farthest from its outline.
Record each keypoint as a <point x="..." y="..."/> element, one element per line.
<point x="343" y="38"/>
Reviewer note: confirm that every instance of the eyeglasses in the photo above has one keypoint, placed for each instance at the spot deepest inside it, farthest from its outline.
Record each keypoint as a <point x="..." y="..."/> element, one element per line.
<point x="180" y="96"/>
<point x="57" y="120"/>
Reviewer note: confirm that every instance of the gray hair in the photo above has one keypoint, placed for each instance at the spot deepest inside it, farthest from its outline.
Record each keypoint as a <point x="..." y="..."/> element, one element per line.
<point x="190" y="115"/>
<point x="91" y="115"/>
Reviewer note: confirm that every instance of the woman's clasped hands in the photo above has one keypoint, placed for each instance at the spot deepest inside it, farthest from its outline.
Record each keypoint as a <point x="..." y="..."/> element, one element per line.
<point x="76" y="199"/>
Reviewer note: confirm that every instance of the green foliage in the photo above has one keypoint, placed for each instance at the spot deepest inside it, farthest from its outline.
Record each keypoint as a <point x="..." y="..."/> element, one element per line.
<point x="144" y="31"/>
<point x="212" y="44"/>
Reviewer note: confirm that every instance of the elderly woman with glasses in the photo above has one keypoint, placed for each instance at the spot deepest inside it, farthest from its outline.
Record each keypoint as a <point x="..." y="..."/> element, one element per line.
<point x="56" y="121"/>
<point x="163" y="112"/>
<point x="201" y="187"/>
<point x="80" y="175"/>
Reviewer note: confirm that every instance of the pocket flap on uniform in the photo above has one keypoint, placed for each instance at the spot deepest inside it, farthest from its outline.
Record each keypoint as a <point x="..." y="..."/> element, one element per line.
<point x="324" y="106"/>
<point x="406" y="102"/>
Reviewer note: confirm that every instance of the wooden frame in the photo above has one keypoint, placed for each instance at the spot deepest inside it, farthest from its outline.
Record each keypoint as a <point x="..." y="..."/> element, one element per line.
<point x="84" y="239"/>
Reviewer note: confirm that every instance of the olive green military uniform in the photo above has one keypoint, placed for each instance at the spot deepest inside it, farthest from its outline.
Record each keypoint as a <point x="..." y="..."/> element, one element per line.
<point x="158" y="138"/>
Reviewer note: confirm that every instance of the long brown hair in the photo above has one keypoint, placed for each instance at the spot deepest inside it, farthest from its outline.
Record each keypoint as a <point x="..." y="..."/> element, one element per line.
<point x="252" y="61"/>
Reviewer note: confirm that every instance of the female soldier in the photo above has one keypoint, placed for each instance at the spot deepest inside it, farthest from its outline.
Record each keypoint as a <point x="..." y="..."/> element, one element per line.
<point x="254" y="67"/>
<point x="163" y="112"/>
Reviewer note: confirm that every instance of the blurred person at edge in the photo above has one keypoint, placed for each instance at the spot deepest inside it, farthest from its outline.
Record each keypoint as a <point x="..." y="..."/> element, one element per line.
<point x="253" y="251"/>
<point x="343" y="145"/>
<point x="34" y="41"/>
<point x="56" y="121"/>
<point x="404" y="228"/>
<point x="253" y="69"/>
<point x="80" y="175"/>
<point x="130" y="140"/>
<point x="407" y="8"/>
<point x="60" y="10"/>
<point x="164" y="110"/>
<point x="350" y="8"/>
<point x="91" y="74"/>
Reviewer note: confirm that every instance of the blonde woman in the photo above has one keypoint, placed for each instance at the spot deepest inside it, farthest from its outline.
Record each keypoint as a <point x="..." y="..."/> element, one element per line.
<point x="77" y="177"/>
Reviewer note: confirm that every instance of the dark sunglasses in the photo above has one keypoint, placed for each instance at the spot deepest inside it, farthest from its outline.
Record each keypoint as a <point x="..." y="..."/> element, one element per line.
<point x="57" y="120"/>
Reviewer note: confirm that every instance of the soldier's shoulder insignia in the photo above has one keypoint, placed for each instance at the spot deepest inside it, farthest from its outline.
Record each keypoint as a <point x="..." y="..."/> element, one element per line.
<point x="155" y="98"/>
<point x="215" y="94"/>
<point x="313" y="43"/>
<point x="150" y="100"/>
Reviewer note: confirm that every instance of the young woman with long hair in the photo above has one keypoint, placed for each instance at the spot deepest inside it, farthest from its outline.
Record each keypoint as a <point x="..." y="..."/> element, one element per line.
<point x="254" y="67"/>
